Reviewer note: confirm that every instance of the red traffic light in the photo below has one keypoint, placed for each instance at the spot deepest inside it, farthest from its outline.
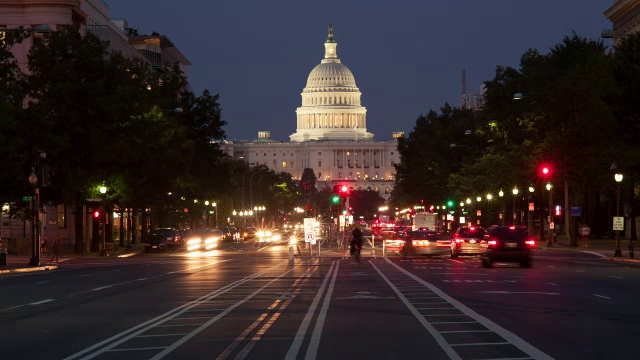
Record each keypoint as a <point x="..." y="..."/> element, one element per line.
<point x="96" y="214"/>
<point x="545" y="170"/>
<point x="344" y="188"/>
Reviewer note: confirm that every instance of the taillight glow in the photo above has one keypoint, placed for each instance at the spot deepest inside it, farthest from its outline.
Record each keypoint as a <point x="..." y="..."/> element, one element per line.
<point x="459" y="240"/>
<point x="530" y="242"/>
<point x="492" y="242"/>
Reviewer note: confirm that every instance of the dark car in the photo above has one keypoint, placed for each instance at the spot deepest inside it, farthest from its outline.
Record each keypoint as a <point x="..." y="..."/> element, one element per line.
<point x="174" y="239"/>
<point x="508" y="244"/>
<point x="468" y="240"/>
<point x="155" y="242"/>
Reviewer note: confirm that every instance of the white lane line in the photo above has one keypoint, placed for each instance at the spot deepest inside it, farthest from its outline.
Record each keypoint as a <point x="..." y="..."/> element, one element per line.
<point x="465" y="331"/>
<point x="85" y="275"/>
<point x="616" y="277"/>
<point x="292" y="354"/>
<point x="552" y="284"/>
<point x="42" y="302"/>
<point x="141" y="328"/>
<point x="101" y="288"/>
<point x="43" y="282"/>
<point x="465" y="274"/>
<point x="137" y="349"/>
<point x="580" y="271"/>
<point x="550" y="266"/>
<point x="482" y="344"/>
<point x="427" y="325"/>
<point x="141" y="279"/>
<point x="312" y="350"/>
<point x="602" y="296"/>
<point x="161" y="335"/>
<point x="504" y="333"/>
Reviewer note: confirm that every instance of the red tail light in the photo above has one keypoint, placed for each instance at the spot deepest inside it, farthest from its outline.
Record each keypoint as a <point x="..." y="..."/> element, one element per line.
<point x="459" y="240"/>
<point x="493" y="243"/>
<point x="530" y="242"/>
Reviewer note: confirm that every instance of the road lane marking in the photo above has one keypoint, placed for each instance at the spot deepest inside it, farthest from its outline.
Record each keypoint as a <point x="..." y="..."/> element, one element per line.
<point x="616" y="277"/>
<point x="482" y="344"/>
<point x="552" y="284"/>
<point x="580" y="271"/>
<point x="464" y="331"/>
<point x="43" y="282"/>
<point x="161" y="335"/>
<point x="137" y="349"/>
<point x="602" y="296"/>
<point x="436" y="335"/>
<point x="302" y="330"/>
<point x="504" y="333"/>
<point x="101" y="288"/>
<point x="41" y="302"/>
<point x="140" y="328"/>
<point x="551" y="266"/>
<point x="594" y="253"/>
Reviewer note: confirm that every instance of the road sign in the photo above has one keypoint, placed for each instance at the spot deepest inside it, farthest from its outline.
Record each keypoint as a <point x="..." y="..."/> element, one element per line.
<point x="27" y="198"/>
<point x="576" y="211"/>
<point x="93" y="200"/>
<point x="309" y="230"/>
<point x="618" y="223"/>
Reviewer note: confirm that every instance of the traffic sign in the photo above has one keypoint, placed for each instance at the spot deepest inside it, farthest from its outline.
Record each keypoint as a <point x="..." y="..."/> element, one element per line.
<point x="618" y="223"/>
<point x="576" y="211"/>
<point x="309" y="230"/>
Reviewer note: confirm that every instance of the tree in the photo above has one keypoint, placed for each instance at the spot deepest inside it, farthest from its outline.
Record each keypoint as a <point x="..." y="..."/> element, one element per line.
<point x="365" y="203"/>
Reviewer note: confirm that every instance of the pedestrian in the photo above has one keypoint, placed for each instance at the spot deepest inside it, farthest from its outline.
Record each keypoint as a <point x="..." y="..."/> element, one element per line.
<point x="43" y="245"/>
<point x="55" y="249"/>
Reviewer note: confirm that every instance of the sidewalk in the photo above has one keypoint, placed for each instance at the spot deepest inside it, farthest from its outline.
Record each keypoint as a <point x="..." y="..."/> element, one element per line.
<point x="20" y="263"/>
<point x="602" y="247"/>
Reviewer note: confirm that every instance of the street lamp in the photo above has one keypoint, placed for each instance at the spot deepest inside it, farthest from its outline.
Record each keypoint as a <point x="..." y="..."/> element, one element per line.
<point x="550" y="218"/>
<point x="35" y="246"/>
<point x="501" y="194"/>
<point x="515" y="194"/>
<point x="618" y="252"/>
<point x="103" y="191"/>
<point x="529" y="215"/>
<point x="215" y="210"/>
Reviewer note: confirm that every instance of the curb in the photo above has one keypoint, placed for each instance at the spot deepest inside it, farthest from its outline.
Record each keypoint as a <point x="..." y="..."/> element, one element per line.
<point x="28" y="269"/>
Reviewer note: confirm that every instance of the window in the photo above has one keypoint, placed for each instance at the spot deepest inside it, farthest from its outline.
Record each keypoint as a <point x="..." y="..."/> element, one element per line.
<point x="392" y="153"/>
<point x="319" y="175"/>
<point x="319" y="153"/>
<point x="291" y="164"/>
<point x="284" y="164"/>
<point x="61" y="220"/>
<point x="386" y="191"/>
<point x="265" y="154"/>
<point x="257" y="154"/>
<point x="340" y="175"/>
<point x="274" y="154"/>
<point x="319" y="163"/>
<point x="274" y="164"/>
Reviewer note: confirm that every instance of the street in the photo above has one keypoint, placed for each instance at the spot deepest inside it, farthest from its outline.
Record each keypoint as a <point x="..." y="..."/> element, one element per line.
<point x="247" y="300"/>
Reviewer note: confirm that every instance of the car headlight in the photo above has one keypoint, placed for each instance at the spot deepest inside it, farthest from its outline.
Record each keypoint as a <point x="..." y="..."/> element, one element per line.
<point x="193" y="241"/>
<point x="260" y="233"/>
<point x="276" y="237"/>
<point x="267" y="234"/>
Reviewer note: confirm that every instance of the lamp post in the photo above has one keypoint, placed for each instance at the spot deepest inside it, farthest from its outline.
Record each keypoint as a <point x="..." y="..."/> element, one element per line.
<point x="215" y="211"/>
<point x="618" y="252"/>
<point x="103" y="191"/>
<point x="501" y="194"/>
<point x="35" y="246"/>
<point x="515" y="194"/>
<point x="529" y="215"/>
<point x="489" y="214"/>
<point x="550" y="218"/>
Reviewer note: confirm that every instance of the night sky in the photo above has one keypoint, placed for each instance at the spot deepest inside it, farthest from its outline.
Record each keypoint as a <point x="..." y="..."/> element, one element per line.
<point x="407" y="56"/>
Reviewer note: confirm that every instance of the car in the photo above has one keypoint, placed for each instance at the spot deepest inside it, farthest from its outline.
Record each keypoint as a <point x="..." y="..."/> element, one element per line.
<point x="508" y="244"/>
<point x="204" y="240"/>
<point x="174" y="238"/>
<point x="155" y="242"/>
<point x="468" y="240"/>
<point x="426" y="242"/>
<point x="249" y="233"/>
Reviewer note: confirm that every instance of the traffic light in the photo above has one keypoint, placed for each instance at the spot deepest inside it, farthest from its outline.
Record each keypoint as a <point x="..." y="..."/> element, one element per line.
<point x="545" y="171"/>
<point x="96" y="214"/>
<point x="335" y="199"/>
<point x="450" y="204"/>
<point x="558" y="211"/>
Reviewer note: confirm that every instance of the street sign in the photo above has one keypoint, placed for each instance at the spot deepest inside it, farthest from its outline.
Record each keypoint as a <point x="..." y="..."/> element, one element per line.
<point x="93" y="200"/>
<point x="576" y="211"/>
<point x="309" y="230"/>
<point x="618" y="223"/>
<point x="27" y="198"/>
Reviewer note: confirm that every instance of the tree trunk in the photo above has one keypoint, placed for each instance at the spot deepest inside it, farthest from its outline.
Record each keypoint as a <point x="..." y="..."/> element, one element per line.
<point x="79" y="215"/>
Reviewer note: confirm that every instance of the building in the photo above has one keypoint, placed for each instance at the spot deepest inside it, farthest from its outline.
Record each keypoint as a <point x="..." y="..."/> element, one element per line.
<point x="331" y="136"/>
<point x="91" y="16"/>
<point x="625" y="17"/>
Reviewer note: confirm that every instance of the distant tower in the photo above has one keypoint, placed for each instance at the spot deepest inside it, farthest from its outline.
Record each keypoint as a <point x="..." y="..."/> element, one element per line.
<point x="464" y="101"/>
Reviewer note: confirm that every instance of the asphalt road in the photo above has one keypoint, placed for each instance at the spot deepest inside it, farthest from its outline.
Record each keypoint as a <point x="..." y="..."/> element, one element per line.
<point x="249" y="301"/>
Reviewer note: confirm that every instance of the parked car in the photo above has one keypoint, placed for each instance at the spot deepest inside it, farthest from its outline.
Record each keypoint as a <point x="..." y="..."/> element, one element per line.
<point x="155" y="242"/>
<point x="508" y="244"/>
<point x="249" y="233"/>
<point x="174" y="238"/>
<point x="468" y="241"/>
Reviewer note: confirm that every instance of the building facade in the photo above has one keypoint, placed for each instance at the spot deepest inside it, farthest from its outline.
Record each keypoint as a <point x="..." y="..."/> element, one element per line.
<point x="331" y="135"/>
<point x="625" y="17"/>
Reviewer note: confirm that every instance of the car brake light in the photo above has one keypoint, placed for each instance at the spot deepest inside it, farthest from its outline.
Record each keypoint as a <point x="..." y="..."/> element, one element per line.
<point x="530" y="242"/>
<point x="459" y="240"/>
<point x="492" y="243"/>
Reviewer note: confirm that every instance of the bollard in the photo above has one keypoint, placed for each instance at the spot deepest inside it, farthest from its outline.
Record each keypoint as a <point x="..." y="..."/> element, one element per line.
<point x="373" y="246"/>
<point x="291" y="254"/>
<point x="384" y="249"/>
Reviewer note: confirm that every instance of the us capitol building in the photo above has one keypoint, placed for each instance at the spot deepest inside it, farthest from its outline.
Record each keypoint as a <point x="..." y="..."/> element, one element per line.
<point x="331" y="136"/>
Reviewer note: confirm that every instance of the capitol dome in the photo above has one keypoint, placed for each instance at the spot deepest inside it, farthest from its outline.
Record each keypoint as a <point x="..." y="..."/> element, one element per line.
<point x="331" y="107"/>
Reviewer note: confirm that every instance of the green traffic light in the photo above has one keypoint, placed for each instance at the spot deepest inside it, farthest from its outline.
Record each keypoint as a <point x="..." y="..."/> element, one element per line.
<point x="450" y="203"/>
<point x="335" y="199"/>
